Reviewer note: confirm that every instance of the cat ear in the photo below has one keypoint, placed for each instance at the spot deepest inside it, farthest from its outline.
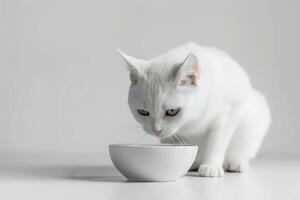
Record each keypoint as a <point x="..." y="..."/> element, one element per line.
<point x="134" y="65"/>
<point x="187" y="72"/>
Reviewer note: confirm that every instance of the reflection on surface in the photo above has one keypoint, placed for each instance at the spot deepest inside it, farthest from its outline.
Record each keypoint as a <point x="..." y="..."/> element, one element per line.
<point x="87" y="173"/>
<point x="265" y="181"/>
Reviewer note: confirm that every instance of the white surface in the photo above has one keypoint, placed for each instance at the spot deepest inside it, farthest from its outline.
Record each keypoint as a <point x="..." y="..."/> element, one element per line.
<point x="153" y="162"/>
<point x="268" y="180"/>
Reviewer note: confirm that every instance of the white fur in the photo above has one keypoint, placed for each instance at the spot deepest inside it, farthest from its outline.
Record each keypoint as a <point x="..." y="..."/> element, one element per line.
<point x="223" y="114"/>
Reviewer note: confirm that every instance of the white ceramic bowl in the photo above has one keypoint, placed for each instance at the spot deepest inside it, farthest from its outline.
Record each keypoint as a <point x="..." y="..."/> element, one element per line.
<point x="152" y="162"/>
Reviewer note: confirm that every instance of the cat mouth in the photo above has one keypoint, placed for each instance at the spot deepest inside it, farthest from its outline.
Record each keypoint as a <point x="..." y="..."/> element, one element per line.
<point x="162" y="135"/>
<point x="165" y="135"/>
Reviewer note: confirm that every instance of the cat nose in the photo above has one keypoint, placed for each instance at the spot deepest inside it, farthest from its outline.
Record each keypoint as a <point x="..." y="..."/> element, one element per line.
<point x="157" y="131"/>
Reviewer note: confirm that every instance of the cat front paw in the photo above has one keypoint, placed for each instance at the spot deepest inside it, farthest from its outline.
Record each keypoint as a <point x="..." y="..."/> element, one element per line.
<point x="235" y="165"/>
<point x="207" y="170"/>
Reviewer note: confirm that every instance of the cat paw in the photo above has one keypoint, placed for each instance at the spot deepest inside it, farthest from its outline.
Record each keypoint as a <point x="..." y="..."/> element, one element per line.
<point x="235" y="165"/>
<point x="210" y="171"/>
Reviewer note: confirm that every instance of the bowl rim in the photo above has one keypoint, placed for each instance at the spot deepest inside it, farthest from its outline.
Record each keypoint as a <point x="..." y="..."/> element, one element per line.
<point x="131" y="145"/>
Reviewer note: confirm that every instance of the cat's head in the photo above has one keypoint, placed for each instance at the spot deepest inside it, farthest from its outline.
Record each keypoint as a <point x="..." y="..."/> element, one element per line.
<point x="160" y="93"/>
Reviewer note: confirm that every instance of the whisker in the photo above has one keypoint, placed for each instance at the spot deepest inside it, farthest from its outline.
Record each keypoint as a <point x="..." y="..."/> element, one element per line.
<point x="178" y="139"/>
<point x="191" y="139"/>
<point x="168" y="140"/>
<point x="181" y="139"/>
<point x="175" y="137"/>
<point x="173" y="140"/>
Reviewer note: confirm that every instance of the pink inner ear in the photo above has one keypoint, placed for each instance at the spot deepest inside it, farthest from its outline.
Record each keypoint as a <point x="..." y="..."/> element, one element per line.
<point x="193" y="79"/>
<point x="190" y="71"/>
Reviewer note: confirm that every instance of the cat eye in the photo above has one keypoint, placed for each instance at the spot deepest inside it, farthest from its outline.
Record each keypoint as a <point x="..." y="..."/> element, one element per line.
<point x="143" y="112"/>
<point x="172" y="112"/>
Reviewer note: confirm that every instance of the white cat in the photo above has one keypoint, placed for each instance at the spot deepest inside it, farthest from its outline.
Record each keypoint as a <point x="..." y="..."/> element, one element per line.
<point x="200" y="95"/>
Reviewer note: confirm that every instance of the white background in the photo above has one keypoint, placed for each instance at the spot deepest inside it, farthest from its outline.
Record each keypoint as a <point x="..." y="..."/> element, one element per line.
<point x="63" y="87"/>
